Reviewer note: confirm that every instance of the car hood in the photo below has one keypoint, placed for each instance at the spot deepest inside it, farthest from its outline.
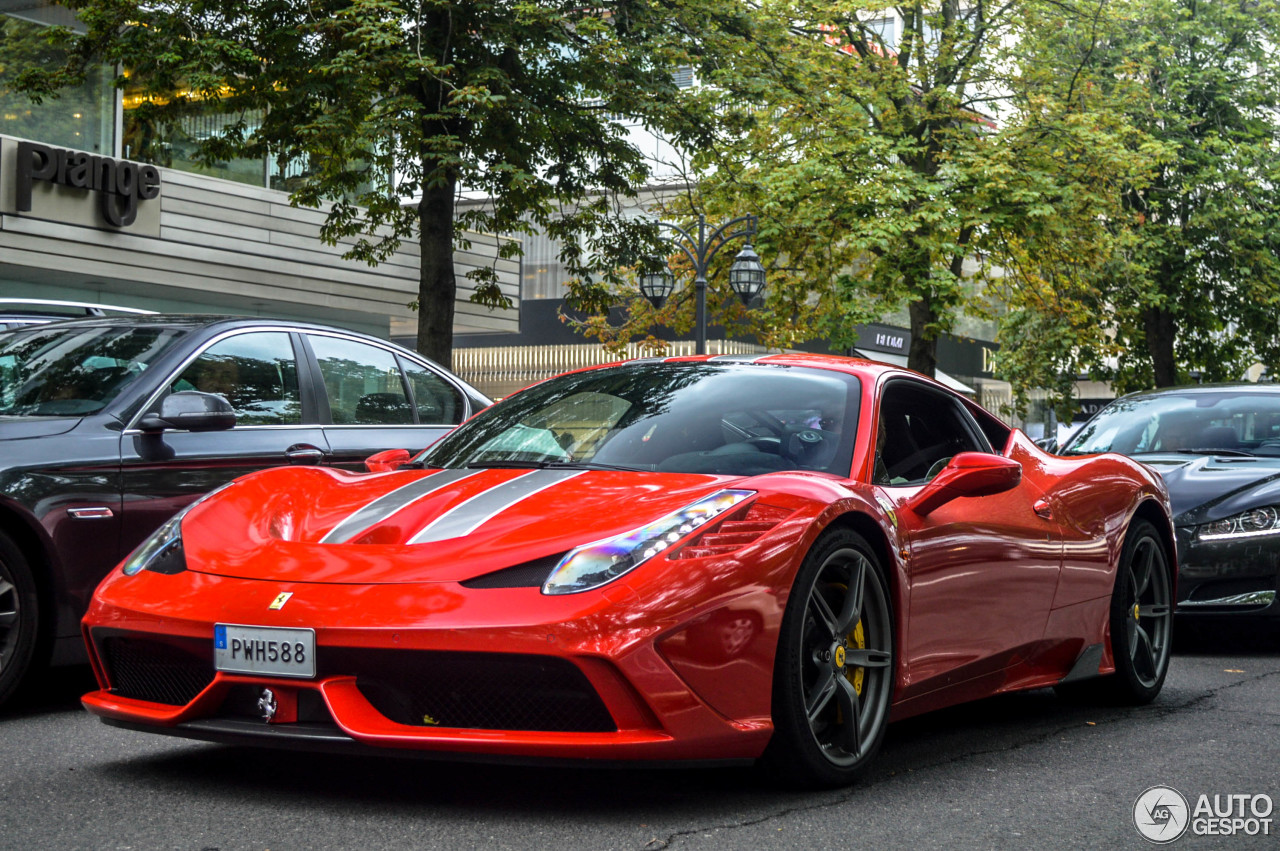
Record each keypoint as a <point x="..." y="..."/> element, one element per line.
<point x="16" y="428"/>
<point x="320" y="525"/>
<point x="1203" y="488"/>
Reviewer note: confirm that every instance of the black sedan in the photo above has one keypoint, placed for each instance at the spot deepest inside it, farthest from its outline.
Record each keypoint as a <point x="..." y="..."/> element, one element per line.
<point x="1218" y="449"/>
<point x="109" y="426"/>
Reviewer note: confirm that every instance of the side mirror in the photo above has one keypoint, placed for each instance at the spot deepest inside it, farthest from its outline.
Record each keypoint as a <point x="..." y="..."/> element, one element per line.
<point x="968" y="474"/>
<point x="191" y="410"/>
<point x="1048" y="444"/>
<point x="387" y="461"/>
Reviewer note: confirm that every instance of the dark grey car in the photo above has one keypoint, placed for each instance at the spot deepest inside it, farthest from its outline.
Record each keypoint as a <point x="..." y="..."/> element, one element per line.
<point x="1218" y="449"/>
<point x="107" y="428"/>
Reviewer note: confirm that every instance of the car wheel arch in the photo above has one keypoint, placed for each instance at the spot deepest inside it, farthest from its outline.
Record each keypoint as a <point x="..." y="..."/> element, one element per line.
<point x="17" y="533"/>
<point x="1150" y="511"/>
<point x="873" y="533"/>
<point x="30" y="537"/>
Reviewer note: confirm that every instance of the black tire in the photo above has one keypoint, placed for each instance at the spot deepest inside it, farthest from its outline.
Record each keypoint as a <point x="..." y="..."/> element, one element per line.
<point x="835" y="661"/>
<point x="19" y="618"/>
<point x="1141" y="624"/>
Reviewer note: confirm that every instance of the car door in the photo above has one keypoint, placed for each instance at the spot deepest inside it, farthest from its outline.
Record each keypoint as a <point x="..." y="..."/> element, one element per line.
<point x="375" y="398"/>
<point x="982" y="570"/>
<point x="258" y="372"/>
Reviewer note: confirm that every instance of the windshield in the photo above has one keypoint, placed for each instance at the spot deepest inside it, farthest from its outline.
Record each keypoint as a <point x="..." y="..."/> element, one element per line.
<point x="70" y="372"/>
<point x="1206" y="422"/>
<point x="723" y="418"/>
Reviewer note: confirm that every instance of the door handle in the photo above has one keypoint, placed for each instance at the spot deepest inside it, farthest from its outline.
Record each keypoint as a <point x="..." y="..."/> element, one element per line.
<point x="1043" y="509"/>
<point x="304" y="453"/>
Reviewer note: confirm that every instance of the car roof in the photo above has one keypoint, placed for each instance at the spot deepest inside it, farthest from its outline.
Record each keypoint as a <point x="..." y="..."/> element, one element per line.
<point x="194" y="321"/>
<point x="1200" y="389"/>
<point x="46" y="309"/>
<point x="218" y="322"/>
<point x="868" y="369"/>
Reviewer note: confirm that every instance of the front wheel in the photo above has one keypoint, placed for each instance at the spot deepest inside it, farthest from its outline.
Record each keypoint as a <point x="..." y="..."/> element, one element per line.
<point x="19" y="618"/>
<point x="833" y="675"/>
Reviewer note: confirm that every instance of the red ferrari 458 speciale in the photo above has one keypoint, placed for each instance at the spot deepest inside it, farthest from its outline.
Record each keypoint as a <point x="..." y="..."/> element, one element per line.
<point x="713" y="559"/>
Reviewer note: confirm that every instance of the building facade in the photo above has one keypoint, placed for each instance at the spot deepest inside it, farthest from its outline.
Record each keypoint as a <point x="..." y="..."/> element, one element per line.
<point x="97" y="207"/>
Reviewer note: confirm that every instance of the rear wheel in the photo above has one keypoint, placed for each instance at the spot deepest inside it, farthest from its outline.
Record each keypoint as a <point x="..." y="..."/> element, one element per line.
<point x="1141" y="622"/>
<point x="19" y="618"/>
<point x="833" y="676"/>
<point x="1141" y="617"/>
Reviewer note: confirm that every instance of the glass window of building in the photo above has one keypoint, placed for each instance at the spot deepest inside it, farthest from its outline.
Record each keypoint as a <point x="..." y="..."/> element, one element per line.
<point x="170" y="140"/>
<point x="81" y="117"/>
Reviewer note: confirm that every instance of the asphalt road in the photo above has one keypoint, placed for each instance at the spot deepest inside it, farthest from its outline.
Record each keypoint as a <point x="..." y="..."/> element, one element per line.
<point x="1018" y="771"/>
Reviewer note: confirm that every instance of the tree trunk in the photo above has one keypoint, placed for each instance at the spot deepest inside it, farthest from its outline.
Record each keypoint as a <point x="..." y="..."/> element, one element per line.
<point x="437" y="286"/>
<point x="923" y="354"/>
<point x="1160" y="331"/>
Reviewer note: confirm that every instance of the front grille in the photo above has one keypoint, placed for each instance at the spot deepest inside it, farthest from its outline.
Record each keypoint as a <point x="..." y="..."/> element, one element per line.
<point x="146" y="669"/>
<point x="485" y="691"/>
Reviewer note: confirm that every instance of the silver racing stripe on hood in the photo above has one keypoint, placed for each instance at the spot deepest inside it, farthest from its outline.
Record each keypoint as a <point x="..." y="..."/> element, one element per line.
<point x="465" y="518"/>
<point x="389" y="503"/>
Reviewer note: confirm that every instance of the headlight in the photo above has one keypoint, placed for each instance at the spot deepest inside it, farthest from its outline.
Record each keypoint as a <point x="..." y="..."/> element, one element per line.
<point x="596" y="564"/>
<point x="1253" y="523"/>
<point x="164" y="544"/>
<point x="162" y="552"/>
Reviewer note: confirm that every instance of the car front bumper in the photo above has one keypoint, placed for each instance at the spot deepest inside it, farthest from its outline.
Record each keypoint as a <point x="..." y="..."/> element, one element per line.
<point x="1234" y="577"/>
<point x="437" y="669"/>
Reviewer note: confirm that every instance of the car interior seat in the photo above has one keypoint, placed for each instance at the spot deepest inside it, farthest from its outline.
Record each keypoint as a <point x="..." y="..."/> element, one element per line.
<point x="1218" y="437"/>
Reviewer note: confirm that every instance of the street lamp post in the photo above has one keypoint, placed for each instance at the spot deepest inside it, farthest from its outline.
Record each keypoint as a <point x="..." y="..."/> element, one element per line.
<point x="746" y="275"/>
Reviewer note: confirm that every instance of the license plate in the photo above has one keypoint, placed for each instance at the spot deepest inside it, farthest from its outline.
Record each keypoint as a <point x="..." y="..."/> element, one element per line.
<point x="279" y="651"/>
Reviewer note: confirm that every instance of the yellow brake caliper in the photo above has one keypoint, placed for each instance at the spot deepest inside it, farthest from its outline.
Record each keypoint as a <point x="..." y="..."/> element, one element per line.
<point x="856" y="675"/>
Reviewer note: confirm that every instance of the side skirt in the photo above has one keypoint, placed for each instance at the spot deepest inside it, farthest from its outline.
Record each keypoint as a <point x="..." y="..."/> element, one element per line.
<point x="1087" y="665"/>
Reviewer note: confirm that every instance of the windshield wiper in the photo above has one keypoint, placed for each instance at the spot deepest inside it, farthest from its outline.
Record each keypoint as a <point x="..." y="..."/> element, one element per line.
<point x="1207" y="451"/>
<point x="549" y="465"/>
<point x="506" y="465"/>
<point x="593" y="465"/>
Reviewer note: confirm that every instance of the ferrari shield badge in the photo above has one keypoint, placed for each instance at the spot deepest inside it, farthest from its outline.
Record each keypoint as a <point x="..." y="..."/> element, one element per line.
<point x="280" y="600"/>
<point x="888" y="509"/>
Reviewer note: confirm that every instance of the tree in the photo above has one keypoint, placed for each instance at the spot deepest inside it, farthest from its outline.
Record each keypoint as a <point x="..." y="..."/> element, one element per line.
<point x="1185" y="275"/>
<point x="510" y="101"/>
<point x="897" y="172"/>
<point x="1198" y="284"/>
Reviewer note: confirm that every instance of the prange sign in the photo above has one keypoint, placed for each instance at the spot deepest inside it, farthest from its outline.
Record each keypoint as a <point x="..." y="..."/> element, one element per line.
<point x="119" y="183"/>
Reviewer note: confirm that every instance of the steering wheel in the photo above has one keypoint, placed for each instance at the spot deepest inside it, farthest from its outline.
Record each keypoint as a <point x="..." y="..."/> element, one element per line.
<point x="905" y="465"/>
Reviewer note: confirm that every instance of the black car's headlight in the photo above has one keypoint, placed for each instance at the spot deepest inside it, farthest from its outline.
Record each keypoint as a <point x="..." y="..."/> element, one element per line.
<point x="1254" y="523"/>
<point x="604" y="561"/>
<point x="162" y="552"/>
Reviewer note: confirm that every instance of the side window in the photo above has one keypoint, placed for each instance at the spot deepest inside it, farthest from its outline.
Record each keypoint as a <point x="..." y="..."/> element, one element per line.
<point x="363" y="383"/>
<point x="919" y="432"/>
<point x="257" y="373"/>
<point x="437" y="401"/>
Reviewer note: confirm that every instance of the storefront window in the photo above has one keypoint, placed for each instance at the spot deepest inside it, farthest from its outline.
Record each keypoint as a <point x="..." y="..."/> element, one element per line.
<point x="171" y="141"/>
<point x="81" y="118"/>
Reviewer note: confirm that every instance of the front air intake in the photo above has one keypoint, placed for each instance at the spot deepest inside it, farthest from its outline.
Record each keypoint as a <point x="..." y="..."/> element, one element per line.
<point x="156" y="671"/>
<point x="484" y="691"/>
